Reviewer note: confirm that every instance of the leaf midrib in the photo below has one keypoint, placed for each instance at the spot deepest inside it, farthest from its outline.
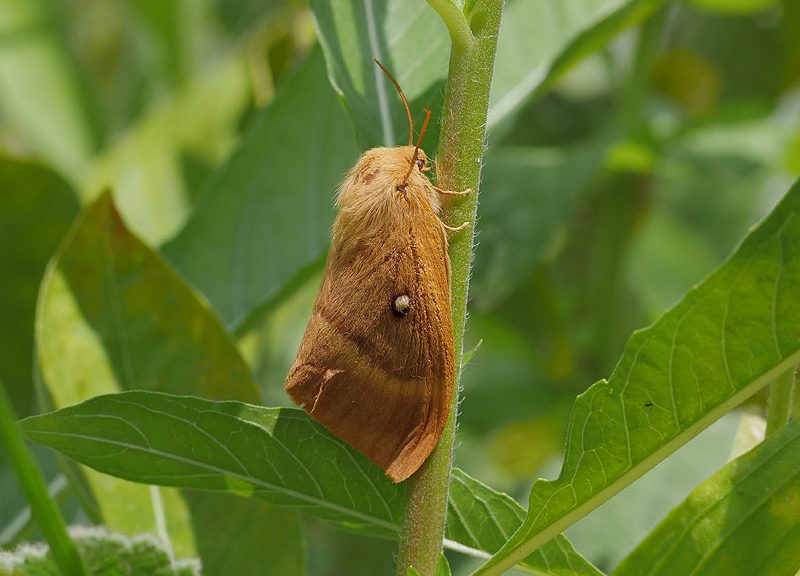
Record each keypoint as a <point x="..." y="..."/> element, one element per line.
<point x="550" y="530"/>
<point x="249" y="479"/>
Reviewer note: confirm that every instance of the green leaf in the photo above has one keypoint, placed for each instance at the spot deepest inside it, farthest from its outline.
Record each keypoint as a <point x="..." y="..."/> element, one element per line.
<point x="483" y="519"/>
<point x="279" y="455"/>
<point x="276" y="189"/>
<point x="37" y="208"/>
<point x="611" y="531"/>
<point x="264" y="220"/>
<point x="113" y="316"/>
<point x="731" y="335"/>
<point x="48" y="108"/>
<point x="409" y="39"/>
<point x="443" y="567"/>
<point x="467" y="358"/>
<point x="744" y="520"/>
<point x="541" y="40"/>
<point x="538" y="42"/>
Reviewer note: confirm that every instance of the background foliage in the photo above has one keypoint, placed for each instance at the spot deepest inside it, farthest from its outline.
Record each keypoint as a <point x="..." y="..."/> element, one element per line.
<point x="631" y="146"/>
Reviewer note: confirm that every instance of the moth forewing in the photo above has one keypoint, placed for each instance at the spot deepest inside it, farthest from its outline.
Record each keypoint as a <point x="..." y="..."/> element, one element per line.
<point x="376" y="362"/>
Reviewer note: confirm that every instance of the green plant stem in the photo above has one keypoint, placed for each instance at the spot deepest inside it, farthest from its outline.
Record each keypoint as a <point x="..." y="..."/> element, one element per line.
<point x="43" y="508"/>
<point x="458" y="167"/>
<point x="780" y="401"/>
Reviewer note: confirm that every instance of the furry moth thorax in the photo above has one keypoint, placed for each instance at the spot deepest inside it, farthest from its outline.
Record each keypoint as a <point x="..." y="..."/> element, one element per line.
<point x="385" y="180"/>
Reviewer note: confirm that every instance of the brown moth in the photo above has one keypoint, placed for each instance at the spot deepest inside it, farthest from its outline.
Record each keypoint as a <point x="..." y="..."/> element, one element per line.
<point x="375" y="365"/>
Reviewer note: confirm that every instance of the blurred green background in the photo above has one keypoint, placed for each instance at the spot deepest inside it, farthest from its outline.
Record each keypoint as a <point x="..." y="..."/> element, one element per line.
<point x="603" y="200"/>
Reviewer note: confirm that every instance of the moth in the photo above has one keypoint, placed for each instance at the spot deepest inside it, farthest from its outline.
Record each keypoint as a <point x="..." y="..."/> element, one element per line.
<point x="375" y="365"/>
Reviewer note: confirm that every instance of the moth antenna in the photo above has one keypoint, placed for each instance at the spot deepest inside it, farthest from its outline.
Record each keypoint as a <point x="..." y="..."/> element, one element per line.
<point x="419" y="141"/>
<point x="422" y="132"/>
<point x="402" y="97"/>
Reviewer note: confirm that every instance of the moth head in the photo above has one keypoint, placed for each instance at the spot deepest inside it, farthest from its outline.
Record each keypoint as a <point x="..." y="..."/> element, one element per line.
<point x="388" y="168"/>
<point x="421" y="161"/>
<point x="415" y="159"/>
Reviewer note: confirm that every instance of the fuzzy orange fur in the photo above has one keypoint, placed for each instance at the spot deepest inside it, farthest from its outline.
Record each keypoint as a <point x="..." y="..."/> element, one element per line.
<point x="378" y="377"/>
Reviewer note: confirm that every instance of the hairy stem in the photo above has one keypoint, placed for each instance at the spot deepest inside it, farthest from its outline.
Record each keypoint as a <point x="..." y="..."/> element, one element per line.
<point x="458" y="166"/>
<point x="43" y="508"/>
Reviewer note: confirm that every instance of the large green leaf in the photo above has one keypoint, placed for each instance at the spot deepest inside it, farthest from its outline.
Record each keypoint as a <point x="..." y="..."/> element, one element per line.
<point x="41" y="93"/>
<point x="276" y="189"/>
<point x="264" y="220"/>
<point x="541" y="40"/>
<point x="272" y="453"/>
<point x="279" y="455"/>
<point x="538" y="42"/>
<point x="112" y="315"/>
<point x="36" y="209"/>
<point x="411" y="41"/>
<point x="743" y="521"/>
<point x="727" y="338"/>
<point x="609" y="532"/>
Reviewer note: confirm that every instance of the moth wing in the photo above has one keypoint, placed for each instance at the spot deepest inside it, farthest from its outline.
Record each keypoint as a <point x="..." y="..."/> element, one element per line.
<point x="379" y="379"/>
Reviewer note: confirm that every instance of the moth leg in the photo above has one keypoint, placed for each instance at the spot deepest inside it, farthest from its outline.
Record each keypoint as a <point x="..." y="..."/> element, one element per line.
<point x="452" y="192"/>
<point x="457" y="228"/>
